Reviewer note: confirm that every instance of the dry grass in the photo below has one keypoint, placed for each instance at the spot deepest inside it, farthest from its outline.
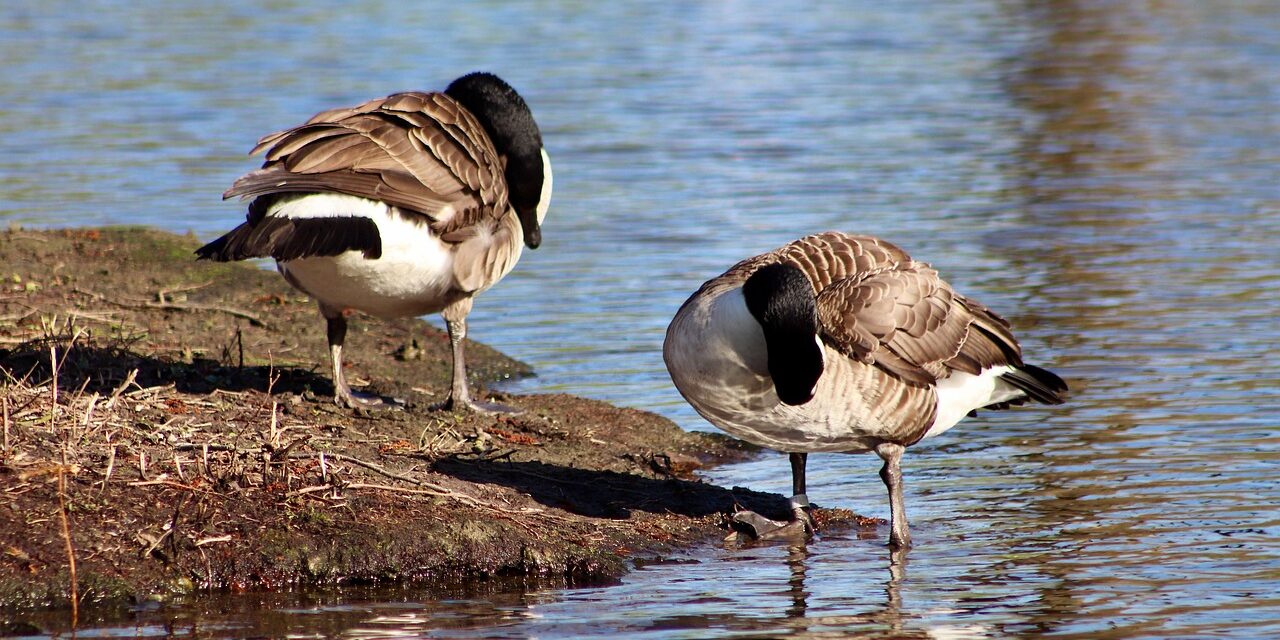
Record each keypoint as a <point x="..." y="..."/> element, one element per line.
<point x="74" y="417"/>
<point x="163" y="439"/>
<point x="228" y="438"/>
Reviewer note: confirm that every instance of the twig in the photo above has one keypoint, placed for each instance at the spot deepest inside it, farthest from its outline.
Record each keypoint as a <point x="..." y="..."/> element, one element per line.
<point x="161" y="295"/>
<point x="205" y="446"/>
<point x="384" y="487"/>
<point x="211" y="540"/>
<point x="62" y="495"/>
<point x="88" y="412"/>
<point x="128" y="380"/>
<point x="161" y="481"/>
<point x="171" y="306"/>
<point x="173" y="525"/>
<point x="175" y="306"/>
<point x="225" y="392"/>
<point x="14" y="317"/>
<point x="66" y="537"/>
<point x="27" y="236"/>
<point x="103" y="317"/>
<point x="429" y="488"/>
<point x="274" y="438"/>
<point x="53" y="367"/>
<point x="150" y="391"/>
<point x="377" y="468"/>
<point x="111" y="465"/>
<point x="426" y="488"/>
<point x="154" y="543"/>
<point x="304" y="491"/>
<point x="208" y="567"/>
<point x="8" y="452"/>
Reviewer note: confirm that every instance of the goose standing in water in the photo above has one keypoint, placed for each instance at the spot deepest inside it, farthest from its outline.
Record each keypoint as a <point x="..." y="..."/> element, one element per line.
<point x="402" y="206"/>
<point x="843" y="343"/>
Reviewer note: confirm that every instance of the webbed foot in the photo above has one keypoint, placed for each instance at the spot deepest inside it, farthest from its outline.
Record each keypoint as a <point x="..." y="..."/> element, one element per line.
<point x="762" y="528"/>
<point x="486" y="408"/>
<point x="352" y="399"/>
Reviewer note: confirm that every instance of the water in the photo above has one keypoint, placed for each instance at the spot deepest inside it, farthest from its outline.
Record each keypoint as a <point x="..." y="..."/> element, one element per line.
<point x="1103" y="173"/>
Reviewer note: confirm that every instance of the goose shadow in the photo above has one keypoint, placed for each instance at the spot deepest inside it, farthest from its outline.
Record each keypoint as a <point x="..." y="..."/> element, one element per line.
<point x="99" y="369"/>
<point x="611" y="494"/>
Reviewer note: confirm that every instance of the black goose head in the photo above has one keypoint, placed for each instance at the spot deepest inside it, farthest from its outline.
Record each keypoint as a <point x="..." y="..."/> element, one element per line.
<point x="510" y="125"/>
<point x="781" y="299"/>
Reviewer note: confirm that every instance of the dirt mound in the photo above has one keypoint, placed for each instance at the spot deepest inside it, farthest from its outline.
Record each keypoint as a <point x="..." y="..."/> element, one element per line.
<point x="168" y="425"/>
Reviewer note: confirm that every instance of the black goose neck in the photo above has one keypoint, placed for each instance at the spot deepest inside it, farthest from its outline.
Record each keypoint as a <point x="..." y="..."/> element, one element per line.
<point x="503" y="114"/>
<point x="509" y="123"/>
<point x="781" y="299"/>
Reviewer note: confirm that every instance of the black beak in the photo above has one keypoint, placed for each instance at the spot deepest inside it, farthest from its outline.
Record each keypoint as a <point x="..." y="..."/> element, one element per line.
<point x="532" y="230"/>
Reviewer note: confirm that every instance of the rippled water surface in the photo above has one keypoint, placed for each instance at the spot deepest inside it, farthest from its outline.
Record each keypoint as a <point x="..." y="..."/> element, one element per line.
<point x="1106" y="174"/>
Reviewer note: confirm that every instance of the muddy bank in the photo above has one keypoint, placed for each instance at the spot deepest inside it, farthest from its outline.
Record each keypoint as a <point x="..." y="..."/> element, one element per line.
<point x="168" y="425"/>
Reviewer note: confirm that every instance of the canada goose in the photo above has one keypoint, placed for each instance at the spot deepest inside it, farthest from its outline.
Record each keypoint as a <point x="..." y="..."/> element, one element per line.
<point x="843" y="343"/>
<point x="401" y="206"/>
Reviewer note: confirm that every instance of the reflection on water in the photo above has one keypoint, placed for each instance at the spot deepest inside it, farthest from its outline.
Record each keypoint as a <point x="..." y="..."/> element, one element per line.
<point x="1159" y="512"/>
<point x="348" y="612"/>
<point x="1103" y="173"/>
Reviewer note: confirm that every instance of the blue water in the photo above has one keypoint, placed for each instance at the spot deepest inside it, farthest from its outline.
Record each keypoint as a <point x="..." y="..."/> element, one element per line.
<point x="1102" y="173"/>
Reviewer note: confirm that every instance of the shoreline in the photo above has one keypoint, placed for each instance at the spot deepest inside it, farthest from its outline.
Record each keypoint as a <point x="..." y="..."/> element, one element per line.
<point x="169" y="425"/>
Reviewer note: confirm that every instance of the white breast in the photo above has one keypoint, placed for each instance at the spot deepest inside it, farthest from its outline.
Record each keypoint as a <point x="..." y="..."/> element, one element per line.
<point x="716" y="354"/>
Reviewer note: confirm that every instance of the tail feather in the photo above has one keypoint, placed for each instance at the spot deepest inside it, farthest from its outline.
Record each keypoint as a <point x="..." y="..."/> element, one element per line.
<point x="286" y="238"/>
<point x="1040" y="385"/>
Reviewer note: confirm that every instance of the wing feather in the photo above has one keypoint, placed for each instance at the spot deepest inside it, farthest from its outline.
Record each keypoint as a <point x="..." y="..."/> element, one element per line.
<point x="877" y="305"/>
<point x="906" y="321"/>
<point x="421" y="152"/>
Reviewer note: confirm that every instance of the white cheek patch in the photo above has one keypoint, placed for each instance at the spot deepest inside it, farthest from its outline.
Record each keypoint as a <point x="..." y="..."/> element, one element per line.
<point x="544" y="199"/>
<point x="823" y="354"/>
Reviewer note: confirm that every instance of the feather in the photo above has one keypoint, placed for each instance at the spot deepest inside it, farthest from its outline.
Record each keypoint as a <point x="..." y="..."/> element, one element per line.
<point x="421" y="152"/>
<point x="285" y="238"/>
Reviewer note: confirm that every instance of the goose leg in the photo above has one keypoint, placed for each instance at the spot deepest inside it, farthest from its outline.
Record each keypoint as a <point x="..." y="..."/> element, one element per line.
<point x="455" y="319"/>
<point x="799" y="497"/>
<point x="343" y="394"/>
<point x="891" y="474"/>
<point x="800" y="525"/>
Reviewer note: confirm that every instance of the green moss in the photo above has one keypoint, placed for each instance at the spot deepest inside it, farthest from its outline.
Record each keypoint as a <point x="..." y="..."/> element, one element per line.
<point x="52" y="590"/>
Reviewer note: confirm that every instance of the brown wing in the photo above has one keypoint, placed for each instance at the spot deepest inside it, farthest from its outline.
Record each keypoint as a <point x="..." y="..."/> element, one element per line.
<point x="908" y="322"/>
<point x="905" y="321"/>
<point x="422" y="152"/>
<point x="990" y="342"/>
<point x="833" y="256"/>
<point x="824" y="258"/>
<point x="878" y="305"/>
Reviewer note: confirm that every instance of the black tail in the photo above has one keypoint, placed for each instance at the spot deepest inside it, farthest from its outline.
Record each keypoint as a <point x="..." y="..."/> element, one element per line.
<point x="1040" y="385"/>
<point x="293" y="238"/>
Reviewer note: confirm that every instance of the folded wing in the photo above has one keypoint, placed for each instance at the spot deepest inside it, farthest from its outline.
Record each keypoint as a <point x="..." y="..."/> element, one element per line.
<point x="421" y="152"/>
